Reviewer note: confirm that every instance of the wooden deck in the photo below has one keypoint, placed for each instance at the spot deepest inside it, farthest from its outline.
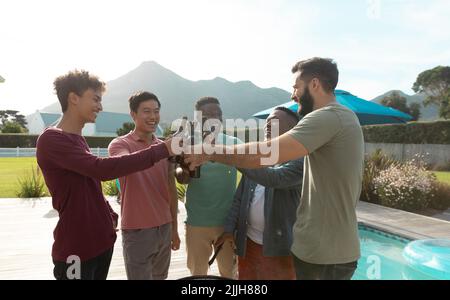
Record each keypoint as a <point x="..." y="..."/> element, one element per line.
<point x="26" y="235"/>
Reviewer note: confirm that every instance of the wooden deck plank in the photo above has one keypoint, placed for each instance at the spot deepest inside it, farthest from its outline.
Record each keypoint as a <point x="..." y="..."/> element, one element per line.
<point x="26" y="235"/>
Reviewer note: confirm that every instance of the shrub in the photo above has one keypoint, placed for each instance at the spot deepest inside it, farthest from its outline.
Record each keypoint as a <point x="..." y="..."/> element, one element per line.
<point x="13" y="140"/>
<point x="181" y="191"/>
<point x="373" y="165"/>
<point x="110" y="188"/>
<point x="12" y="127"/>
<point x="441" y="197"/>
<point x="99" y="141"/>
<point x="407" y="186"/>
<point x="32" y="185"/>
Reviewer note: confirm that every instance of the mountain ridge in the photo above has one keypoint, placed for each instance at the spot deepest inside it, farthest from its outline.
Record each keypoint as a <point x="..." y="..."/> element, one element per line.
<point x="177" y="94"/>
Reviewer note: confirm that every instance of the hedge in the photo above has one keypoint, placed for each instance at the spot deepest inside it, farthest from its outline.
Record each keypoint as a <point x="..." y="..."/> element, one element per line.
<point x="29" y="141"/>
<point x="13" y="140"/>
<point x="411" y="133"/>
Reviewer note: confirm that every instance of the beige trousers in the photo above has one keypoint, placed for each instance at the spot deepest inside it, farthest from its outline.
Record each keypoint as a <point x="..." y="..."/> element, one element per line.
<point x="200" y="247"/>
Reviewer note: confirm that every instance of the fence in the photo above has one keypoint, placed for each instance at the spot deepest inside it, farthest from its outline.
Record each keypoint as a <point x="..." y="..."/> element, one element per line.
<point x="431" y="153"/>
<point x="31" y="152"/>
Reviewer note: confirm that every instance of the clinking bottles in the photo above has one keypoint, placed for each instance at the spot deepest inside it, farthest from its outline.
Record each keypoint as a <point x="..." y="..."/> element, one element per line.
<point x="190" y="138"/>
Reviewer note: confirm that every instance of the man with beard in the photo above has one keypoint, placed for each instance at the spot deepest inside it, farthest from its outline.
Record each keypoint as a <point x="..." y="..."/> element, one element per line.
<point x="326" y="244"/>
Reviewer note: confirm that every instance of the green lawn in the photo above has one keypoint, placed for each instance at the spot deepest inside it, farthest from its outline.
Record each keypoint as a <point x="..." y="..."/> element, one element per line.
<point x="12" y="168"/>
<point x="443" y="176"/>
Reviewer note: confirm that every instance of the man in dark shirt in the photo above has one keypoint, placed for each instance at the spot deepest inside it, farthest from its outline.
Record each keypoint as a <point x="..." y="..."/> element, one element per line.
<point x="85" y="233"/>
<point x="259" y="223"/>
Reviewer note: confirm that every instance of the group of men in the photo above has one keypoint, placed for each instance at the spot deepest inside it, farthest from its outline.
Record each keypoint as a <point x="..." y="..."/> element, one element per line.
<point x="294" y="219"/>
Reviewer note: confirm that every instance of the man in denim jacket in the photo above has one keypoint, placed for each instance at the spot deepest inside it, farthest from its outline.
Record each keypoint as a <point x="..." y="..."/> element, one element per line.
<point x="263" y="212"/>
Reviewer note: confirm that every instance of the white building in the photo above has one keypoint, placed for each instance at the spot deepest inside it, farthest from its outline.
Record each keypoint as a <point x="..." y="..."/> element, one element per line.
<point x="106" y="123"/>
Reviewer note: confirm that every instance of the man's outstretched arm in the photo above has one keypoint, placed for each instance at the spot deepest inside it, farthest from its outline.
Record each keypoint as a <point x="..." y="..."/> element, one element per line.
<point x="252" y="155"/>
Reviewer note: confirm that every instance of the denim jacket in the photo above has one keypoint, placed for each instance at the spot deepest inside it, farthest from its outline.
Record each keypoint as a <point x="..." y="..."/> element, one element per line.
<point x="283" y="185"/>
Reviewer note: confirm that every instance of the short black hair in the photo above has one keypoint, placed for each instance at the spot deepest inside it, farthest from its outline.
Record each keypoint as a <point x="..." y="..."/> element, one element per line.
<point x="78" y="82"/>
<point x="206" y="100"/>
<point x="289" y="112"/>
<point x="325" y="69"/>
<point x="139" y="97"/>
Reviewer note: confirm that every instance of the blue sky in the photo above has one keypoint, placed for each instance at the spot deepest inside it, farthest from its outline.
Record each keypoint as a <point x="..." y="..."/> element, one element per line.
<point x="378" y="45"/>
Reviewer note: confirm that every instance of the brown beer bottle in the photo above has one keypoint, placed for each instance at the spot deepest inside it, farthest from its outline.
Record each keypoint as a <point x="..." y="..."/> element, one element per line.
<point x="196" y="172"/>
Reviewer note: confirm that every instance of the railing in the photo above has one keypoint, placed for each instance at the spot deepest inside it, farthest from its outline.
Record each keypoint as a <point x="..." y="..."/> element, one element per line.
<point x="31" y="152"/>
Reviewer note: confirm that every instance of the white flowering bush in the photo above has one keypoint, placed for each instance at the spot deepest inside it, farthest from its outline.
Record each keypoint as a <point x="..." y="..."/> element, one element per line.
<point x="373" y="165"/>
<point x="408" y="186"/>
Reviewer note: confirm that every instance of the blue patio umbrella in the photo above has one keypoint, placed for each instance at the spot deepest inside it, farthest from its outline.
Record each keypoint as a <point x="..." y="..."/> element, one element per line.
<point x="368" y="112"/>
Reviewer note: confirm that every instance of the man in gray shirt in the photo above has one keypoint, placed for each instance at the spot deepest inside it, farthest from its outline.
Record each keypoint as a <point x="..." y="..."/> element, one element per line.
<point x="326" y="243"/>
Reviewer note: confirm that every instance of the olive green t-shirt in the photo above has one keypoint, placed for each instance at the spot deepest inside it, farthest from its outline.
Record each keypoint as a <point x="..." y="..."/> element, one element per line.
<point x="209" y="198"/>
<point x="326" y="230"/>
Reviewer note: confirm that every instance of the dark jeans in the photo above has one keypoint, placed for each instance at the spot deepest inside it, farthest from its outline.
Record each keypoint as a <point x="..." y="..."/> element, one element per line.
<point x="94" y="269"/>
<point x="307" y="271"/>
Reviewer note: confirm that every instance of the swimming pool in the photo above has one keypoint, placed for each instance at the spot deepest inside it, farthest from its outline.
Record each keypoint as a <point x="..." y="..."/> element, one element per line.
<point x="382" y="259"/>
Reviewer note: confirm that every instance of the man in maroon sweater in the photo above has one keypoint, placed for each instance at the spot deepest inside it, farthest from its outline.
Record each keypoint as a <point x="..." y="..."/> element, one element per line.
<point x="85" y="233"/>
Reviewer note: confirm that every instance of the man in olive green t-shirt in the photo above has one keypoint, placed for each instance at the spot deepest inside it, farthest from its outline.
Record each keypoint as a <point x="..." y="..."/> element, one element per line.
<point x="326" y="243"/>
<point x="208" y="200"/>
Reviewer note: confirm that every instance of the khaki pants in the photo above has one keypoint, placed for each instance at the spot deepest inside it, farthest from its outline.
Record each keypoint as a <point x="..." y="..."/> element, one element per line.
<point x="200" y="247"/>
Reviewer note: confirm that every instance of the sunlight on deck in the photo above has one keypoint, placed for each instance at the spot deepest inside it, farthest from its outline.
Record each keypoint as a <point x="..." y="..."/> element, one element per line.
<point x="26" y="232"/>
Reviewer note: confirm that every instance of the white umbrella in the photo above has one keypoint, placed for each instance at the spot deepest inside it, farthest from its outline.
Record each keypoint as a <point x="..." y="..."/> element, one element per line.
<point x="2" y="79"/>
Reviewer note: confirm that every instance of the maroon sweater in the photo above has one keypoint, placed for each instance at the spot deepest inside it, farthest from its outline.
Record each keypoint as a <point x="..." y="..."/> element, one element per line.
<point x="73" y="176"/>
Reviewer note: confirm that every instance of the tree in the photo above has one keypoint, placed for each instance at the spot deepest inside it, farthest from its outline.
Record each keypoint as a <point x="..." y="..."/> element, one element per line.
<point x="14" y="116"/>
<point x="12" y="127"/>
<point x="126" y="128"/>
<point x="435" y="83"/>
<point x="395" y="100"/>
<point x="21" y="120"/>
<point x="414" y="110"/>
<point x="3" y="116"/>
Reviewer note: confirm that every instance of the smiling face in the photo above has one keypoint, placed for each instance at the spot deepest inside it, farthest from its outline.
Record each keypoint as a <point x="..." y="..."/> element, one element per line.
<point x="88" y="105"/>
<point x="147" y="116"/>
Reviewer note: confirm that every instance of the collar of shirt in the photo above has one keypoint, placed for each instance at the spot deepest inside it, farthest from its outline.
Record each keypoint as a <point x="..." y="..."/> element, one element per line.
<point x="137" y="138"/>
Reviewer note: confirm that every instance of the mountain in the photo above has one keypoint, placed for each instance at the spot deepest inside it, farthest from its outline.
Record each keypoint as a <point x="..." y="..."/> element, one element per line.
<point x="177" y="95"/>
<point x="427" y="113"/>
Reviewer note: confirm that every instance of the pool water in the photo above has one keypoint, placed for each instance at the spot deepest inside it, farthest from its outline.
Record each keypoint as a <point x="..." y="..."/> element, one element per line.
<point x="381" y="257"/>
